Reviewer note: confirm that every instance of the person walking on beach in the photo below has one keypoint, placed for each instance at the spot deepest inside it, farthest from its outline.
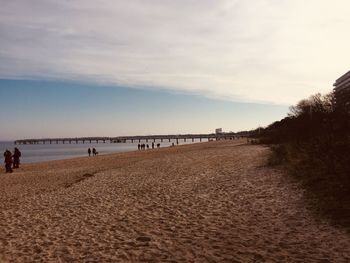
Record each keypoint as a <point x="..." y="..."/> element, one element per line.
<point x="8" y="161"/>
<point x="94" y="152"/>
<point x="16" y="155"/>
<point x="89" y="152"/>
<point x="152" y="145"/>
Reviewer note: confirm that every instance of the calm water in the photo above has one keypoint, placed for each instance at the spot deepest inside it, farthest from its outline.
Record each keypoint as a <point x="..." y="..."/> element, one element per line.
<point x="47" y="152"/>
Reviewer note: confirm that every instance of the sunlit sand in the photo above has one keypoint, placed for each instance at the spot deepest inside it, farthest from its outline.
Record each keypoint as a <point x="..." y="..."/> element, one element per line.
<point x="209" y="202"/>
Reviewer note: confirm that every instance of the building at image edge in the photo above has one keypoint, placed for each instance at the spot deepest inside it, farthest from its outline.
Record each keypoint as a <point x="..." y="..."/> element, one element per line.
<point x="342" y="92"/>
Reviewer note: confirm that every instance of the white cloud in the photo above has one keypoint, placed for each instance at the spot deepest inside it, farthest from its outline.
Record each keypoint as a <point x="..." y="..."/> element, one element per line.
<point x="275" y="51"/>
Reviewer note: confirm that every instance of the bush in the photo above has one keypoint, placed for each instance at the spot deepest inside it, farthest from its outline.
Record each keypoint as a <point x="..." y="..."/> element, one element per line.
<point x="313" y="143"/>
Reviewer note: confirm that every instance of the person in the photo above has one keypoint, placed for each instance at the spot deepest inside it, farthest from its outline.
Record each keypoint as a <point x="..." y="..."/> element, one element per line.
<point x="158" y="145"/>
<point x="147" y="146"/>
<point x="152" y="145"/>
<point x="8" y="161"/>
<point x="93" y="151"/>
<point x="16" y="155"/>
<point x="138" y="146"/>
<point x="89" y="152"/>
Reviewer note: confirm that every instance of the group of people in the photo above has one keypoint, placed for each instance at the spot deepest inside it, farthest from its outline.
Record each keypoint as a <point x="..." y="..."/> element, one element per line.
<point x="94" y="152"/>
<point x="144" y="146"/>
<point x="12" y="160"/>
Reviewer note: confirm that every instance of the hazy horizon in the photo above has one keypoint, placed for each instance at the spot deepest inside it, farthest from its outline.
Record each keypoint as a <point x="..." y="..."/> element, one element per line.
<point x="62" y="109"/>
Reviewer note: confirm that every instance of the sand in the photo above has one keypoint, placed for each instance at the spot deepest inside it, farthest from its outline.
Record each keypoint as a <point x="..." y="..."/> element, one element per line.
<point x="208" y="202"/>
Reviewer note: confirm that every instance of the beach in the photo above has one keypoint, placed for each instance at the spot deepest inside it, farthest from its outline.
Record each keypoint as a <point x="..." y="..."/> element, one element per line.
<point x="205" y="202"/>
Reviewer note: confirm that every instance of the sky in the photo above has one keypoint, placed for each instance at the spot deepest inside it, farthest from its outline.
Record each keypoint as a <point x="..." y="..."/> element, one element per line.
<point x="161" y="66"/>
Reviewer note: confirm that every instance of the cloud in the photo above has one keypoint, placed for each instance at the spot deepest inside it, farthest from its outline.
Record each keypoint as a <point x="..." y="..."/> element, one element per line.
<point x="258" y="51"/>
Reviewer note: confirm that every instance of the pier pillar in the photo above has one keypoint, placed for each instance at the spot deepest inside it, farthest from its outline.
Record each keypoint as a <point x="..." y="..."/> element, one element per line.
<point x="70" y="142"/>
<point x="50" y="142"/>
<point x="132" y="140"/>
<point x="76" y="142"/>
<point x="90" y="141"/>
<point x="161" y="140"/>
<point x="83" y="141"/>
<point x="63" y="141"/>
<point x="57" y="142"/>
<point x="200" y="139"/>
<point x="154" y="140"/>
<point x="177" y="141"/>
<point x="169" y="139"/>
<point x="184" y="139"/>
<point x="139" y="140"/>
<point x="192" y="139"/>
<point x="146" y="140"/>
<point x="43" y="142"/>
<point x="104" y="141"/>
<point x="96" y="141"/>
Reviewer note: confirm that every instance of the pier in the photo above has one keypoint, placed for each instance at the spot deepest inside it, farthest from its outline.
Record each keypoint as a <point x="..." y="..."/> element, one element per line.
<point x="132" y="139"/>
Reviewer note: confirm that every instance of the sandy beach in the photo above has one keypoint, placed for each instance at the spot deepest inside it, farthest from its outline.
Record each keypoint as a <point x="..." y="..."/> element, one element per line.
<point x="208" y="202"/>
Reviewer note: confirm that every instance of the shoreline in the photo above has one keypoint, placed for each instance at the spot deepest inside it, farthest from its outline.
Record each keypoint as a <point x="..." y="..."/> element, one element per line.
<point x="109" y="154"/>
<point x="41" y="153"/>
<point x="205" y="202"/>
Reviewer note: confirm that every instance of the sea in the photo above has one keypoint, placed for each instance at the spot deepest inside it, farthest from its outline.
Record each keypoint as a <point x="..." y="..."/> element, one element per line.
<point x="33" y="153"/>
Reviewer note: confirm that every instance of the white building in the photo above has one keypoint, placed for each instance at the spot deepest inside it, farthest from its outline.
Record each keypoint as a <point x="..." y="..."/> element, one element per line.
<point x="218" y="131"/>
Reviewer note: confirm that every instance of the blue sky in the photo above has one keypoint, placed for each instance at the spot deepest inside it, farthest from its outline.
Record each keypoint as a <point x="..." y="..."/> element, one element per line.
<point x="114" y="67"/>
<point x="36" y="109"/>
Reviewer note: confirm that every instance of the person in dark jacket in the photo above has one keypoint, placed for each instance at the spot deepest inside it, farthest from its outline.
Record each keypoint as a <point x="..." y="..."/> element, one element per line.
<point x="94" y="152"/>
<point x="8" y="161"/>
<point x="16" y="155"/>
<point x="89" y="152"/>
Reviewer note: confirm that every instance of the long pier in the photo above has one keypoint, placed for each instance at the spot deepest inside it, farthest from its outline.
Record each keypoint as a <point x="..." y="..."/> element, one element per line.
<point x="123" y="139"/>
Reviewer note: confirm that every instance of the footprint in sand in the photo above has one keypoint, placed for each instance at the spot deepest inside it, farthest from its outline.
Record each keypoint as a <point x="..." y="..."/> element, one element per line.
<point x="143" y="239"/>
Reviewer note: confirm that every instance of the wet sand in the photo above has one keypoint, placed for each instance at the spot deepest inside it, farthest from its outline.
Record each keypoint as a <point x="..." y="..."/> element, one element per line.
<point x="209" y="202"/>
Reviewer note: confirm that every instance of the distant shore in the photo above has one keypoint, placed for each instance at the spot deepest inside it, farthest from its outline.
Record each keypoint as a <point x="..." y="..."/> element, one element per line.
<point x="207" y="202"/>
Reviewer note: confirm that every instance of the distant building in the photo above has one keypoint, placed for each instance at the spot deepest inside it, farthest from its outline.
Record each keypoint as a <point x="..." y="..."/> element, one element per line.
<point x="342" y="91"/>
<point x="218" y="131"/>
